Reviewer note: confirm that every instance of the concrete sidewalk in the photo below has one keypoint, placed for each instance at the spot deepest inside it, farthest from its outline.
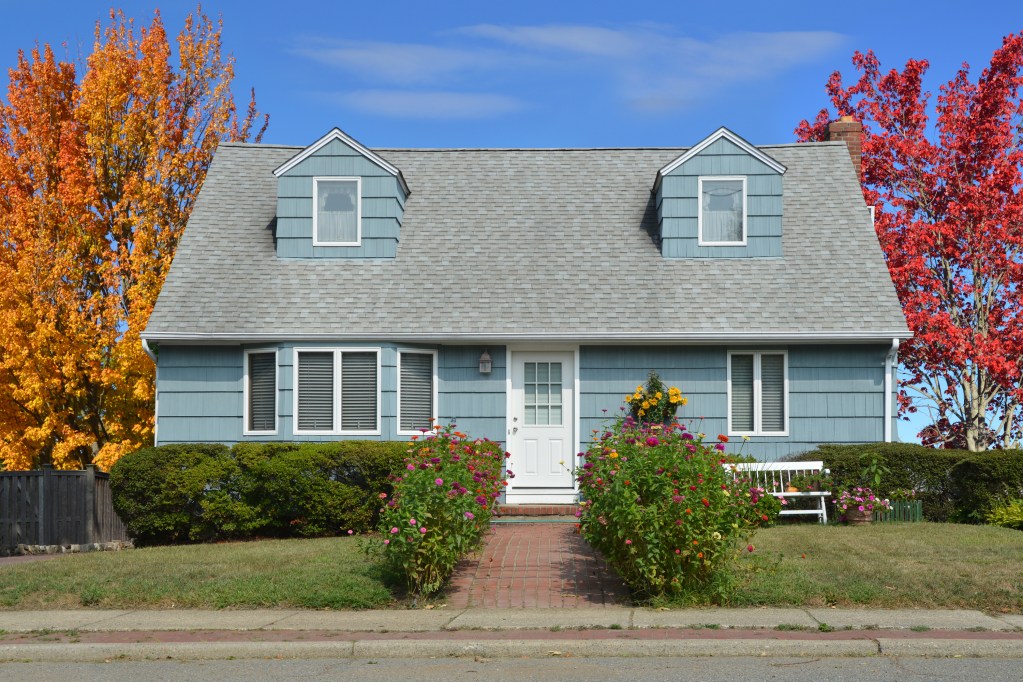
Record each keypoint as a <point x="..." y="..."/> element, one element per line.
<point x="96" y="635"/>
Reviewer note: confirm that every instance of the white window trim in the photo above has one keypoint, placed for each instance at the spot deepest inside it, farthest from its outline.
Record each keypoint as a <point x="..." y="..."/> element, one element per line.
<point x="758" y="400"/>
<point x="337" y="431"/>
<point x="436" y="409"/>
<point x="245" y="392"/>
<point x="358" y="209"/>
<point x="699" y="210"/>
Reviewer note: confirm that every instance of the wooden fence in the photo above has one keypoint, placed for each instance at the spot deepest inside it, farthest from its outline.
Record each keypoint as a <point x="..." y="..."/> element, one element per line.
<point x="51" y="507"/>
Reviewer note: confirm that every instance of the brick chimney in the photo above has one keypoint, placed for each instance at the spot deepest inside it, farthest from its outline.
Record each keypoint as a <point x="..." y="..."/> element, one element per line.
<point x="850" y="131"/>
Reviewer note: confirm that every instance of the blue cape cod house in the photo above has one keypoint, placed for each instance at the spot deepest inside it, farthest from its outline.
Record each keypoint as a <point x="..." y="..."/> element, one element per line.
<point x="335" y="291"/>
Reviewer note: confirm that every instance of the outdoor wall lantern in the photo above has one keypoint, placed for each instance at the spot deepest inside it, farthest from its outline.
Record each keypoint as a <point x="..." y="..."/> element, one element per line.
<point x="486" y="364"/>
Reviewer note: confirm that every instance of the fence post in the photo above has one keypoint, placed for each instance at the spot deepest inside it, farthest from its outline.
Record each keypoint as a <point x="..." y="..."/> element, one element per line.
<point x="45" y="531"/>
<point x="90" y="503"/>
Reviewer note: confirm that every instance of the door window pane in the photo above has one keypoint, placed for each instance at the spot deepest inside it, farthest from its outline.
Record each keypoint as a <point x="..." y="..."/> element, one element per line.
<point x="543" y="394"/>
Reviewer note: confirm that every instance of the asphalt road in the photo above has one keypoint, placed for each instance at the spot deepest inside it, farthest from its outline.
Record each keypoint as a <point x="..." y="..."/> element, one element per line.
<point x="541" y="670"/>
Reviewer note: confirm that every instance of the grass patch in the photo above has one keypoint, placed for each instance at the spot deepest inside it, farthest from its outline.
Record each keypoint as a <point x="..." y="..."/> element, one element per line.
<point x="316" y="573"/>
<point x="888" y="565"/>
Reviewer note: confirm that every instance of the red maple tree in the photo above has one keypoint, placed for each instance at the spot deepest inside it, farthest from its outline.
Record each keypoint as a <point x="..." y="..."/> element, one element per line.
<point x="949" y="216"/>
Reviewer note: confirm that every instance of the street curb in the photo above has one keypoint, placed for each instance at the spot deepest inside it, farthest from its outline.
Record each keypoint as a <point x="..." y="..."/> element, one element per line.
<point x="532" y="648"/>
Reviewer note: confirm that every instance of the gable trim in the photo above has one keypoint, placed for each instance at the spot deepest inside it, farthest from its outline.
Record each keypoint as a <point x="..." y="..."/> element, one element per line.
<point x="338" y="134"/>
<point x="727" y="134"/>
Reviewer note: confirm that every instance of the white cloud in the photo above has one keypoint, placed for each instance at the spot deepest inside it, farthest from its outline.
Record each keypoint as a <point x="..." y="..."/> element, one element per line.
<point x="648" y="67"/>
<point x="400" y="63"/>
<point x="589" y="40"/>
<point x="431" y="104"/>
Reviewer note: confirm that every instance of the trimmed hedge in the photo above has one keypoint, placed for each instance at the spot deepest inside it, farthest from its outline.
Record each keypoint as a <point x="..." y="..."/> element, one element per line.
<point x="201" y="492"/>
<point x="954" y="485"/>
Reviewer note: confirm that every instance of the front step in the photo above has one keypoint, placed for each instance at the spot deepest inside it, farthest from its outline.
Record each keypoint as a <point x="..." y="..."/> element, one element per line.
<point x="535" y="513"/>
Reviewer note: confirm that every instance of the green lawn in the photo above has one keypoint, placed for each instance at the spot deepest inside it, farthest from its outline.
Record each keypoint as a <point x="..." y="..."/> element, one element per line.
<point x="925" y="565"/>
<point x="889" y="565"/>
<point x="315" y="574"/>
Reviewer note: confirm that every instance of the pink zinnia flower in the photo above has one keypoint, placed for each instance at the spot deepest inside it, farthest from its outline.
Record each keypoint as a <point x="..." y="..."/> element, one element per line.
<point x="439" y="481"/>
<point x="411" y="522"/>
<point x="470" y="515"/>
<point x="422" y="529"/>
<point x="387" y="542"/>
<point x="393" y="531"/>
<point x="652" y="441"/>
<point x="628" y="542"/>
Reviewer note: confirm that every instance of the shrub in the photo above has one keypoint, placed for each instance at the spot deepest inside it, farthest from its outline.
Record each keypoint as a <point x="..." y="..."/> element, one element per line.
<point x="159" y="492"/>
<point x="180" y="493"/>
<point x="665" y="513"/>
<point x="953" y="485"/>
<point x="1008" y="514"/>
<point x="440" y="507"/>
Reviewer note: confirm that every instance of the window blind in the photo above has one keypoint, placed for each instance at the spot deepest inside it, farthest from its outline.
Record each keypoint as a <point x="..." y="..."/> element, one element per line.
<point x="772" y="392"/>
<point x="416" y="391"/>
<point x="262" y="371"/>
<point x="316" y="391"/>
<point x="358" y="391"/>
<point x="742" y="393"/>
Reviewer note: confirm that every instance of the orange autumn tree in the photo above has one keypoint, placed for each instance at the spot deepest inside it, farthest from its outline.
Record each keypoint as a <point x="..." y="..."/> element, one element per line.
<point x="98" y="175"/>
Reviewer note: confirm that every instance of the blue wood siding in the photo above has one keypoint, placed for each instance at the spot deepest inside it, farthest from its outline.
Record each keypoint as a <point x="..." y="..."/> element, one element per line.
<point x="836" y="393"/>
<point x="383" y="204"/>
<point x="476" y="402"/>
<point x="201" y="392"/>
<point x="678" y="205"/>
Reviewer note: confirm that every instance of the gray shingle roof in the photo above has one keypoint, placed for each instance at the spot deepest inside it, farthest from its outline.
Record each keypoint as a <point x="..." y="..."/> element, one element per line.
<point x="528" y="243"/>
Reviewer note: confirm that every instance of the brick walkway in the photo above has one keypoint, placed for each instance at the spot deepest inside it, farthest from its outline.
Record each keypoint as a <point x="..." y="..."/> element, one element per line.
<point x="535" y="565"/>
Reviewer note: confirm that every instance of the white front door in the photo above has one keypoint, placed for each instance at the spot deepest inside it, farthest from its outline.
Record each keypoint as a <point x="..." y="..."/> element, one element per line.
<point x="541" y="427"/>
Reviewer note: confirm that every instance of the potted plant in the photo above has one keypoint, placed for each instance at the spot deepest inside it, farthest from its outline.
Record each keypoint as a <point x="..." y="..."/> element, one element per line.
<point x="858" y="505"/>
<point x="655" y="403"/>
<point x="815" y="481"/>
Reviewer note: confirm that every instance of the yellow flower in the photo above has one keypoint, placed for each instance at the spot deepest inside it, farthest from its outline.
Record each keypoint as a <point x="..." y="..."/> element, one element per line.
<point x="684" y="401"/>
<point x="637" y="396"/>
<point x="646" y="405"/>
<point x="716" y="536"/>
<point x="613" y="455"/>
<point x="745" y="437"/>
<point x="628" y="398"/>
<point x="658" y="395"/>
<point x="639" y="388"/>
<point x="641" y="412"/>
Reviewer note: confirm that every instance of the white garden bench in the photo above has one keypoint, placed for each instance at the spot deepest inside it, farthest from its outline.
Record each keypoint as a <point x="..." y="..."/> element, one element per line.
<point x="774" y="477"/>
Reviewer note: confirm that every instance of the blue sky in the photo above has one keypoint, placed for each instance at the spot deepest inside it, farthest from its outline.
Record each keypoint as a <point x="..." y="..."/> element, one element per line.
<point x="546" y="74"/>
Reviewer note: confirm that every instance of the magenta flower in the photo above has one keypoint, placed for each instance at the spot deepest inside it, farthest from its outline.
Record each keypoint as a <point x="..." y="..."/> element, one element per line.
<point x="387" y="542"/>
<point x="652" y="441"/>
<point x="719" y="447"/>
<point x="393" y="531"/>
<point x="422" y="529"/>
<point x="628" y="542"/>
<point x="411" y="522"/>
<point x="470" y="515"/>
<point x="411" y="467"/>
<point x="439" y="481"/>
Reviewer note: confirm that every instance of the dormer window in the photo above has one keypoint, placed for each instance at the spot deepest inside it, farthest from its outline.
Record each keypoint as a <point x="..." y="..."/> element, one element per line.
<point x="337" y="211"/>
<point x="722" y="212"/>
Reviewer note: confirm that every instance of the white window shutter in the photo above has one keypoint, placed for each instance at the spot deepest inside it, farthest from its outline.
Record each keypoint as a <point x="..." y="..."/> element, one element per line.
<point x="742" y="393"/>
<point x="262" y="371"/>
<point x="358" y="391"/>
<point x="316" y="391"/>
<point x="416" y="391"/>
<point x="772" y="391"/>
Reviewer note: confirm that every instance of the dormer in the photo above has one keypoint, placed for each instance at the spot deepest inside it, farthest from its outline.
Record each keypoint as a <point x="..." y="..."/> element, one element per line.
<point x="721" y="199"/>
<point x="338" y="199"/>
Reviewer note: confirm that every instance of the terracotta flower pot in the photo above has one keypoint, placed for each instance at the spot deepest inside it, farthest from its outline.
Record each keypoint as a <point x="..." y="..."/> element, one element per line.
<point x="855" y="517"/>
<point x="791" y="489"/>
